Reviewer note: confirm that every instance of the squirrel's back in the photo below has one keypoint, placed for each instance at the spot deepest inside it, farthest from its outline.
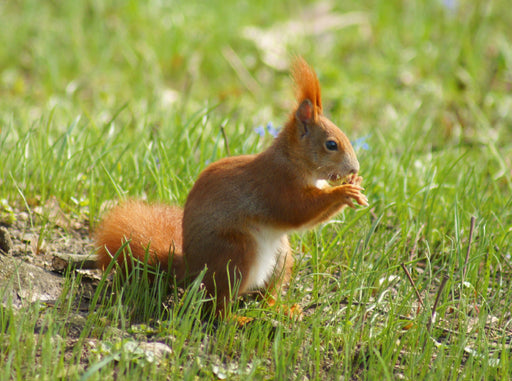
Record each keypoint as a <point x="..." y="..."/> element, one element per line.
<point x="152" y="228"/>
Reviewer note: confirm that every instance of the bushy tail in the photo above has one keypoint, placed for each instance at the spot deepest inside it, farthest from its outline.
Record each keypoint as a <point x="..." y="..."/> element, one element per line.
<point x="154" y="229"/>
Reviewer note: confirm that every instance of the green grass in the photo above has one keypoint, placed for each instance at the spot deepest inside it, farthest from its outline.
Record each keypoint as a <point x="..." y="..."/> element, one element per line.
<point x="100" y="102"/>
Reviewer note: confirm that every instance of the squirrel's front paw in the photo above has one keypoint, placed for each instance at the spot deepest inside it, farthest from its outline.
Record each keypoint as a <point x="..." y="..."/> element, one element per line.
<point x="354" y="179"/>
<point x="361" y="199"/>
<point x="353" y="192"/>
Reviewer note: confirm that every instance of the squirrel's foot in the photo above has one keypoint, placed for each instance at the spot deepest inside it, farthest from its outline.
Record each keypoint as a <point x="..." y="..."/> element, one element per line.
<point x="294" y="312"/>
<point x="241" y="320"/>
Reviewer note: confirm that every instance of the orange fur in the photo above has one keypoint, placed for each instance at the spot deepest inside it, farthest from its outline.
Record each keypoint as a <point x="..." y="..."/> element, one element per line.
<point x="152" y="228"/>
<point x="240" y="209"/>
<point x="307" y="85"/>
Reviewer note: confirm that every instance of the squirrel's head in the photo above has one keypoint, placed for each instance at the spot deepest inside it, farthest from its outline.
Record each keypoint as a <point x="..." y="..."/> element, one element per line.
<point x="319" y="144"/>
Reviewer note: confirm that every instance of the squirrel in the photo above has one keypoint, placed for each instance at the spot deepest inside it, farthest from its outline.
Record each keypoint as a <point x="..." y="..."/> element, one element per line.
<point x="240" y="210"/>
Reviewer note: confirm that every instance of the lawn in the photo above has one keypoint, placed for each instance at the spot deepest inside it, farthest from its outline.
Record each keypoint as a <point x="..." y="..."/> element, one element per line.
<point x="103" y="101"/>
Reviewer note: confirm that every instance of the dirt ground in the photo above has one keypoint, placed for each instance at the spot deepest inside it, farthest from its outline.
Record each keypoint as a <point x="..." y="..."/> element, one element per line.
<point x="36" y="250"/>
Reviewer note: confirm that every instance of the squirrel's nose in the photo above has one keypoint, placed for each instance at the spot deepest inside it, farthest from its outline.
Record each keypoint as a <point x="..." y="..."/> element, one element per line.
<point x="355" y="167"/>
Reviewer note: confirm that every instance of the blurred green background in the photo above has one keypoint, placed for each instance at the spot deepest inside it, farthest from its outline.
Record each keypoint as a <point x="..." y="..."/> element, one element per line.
<point x="377" y="61"/>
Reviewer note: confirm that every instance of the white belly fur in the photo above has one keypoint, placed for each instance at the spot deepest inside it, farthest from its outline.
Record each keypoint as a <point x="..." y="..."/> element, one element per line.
<point x="269" y="247"/>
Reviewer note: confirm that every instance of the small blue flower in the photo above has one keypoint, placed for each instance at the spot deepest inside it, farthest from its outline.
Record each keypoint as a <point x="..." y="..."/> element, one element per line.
<point x="260" y="131"/>
<point x="450" y="5"/>
<point x="360" y="143"/>
<point x="272" y="130"/>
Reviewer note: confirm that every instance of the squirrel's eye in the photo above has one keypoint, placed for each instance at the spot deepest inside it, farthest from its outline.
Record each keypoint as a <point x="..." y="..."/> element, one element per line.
<point x="331" y="145"/>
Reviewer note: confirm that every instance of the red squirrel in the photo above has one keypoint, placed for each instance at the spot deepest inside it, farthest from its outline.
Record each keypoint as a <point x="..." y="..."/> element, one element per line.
<point x="238" y="214"/>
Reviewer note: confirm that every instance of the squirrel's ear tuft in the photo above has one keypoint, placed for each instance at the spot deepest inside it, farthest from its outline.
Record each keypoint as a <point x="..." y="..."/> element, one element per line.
<point x="307" y="86"/>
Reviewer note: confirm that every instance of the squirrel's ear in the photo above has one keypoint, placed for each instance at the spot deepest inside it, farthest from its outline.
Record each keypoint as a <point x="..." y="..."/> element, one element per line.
<point x="305" y="114"/>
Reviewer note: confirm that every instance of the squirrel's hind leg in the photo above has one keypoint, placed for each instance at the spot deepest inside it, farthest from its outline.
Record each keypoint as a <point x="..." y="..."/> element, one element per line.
<point x="280" y="280"/>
